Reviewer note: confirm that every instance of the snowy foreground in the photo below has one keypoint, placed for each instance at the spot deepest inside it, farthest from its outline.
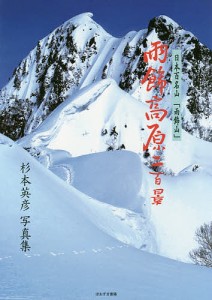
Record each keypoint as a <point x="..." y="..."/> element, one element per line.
<point x="81" y="246"/>
<point x="132" y="274"/>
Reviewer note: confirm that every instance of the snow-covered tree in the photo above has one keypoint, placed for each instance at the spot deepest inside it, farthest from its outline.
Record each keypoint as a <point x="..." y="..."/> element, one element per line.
<point x="203" y="254"/>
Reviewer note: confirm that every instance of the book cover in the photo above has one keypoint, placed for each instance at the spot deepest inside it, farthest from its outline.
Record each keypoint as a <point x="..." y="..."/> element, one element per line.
<point x="105" y="149"/>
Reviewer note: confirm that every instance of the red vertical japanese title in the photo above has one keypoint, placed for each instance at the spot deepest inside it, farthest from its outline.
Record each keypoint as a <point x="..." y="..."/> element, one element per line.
<point x="155" y="79"/>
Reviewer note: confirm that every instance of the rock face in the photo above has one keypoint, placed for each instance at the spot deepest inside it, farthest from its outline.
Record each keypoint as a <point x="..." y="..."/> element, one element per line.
<point x="80" y="52"/>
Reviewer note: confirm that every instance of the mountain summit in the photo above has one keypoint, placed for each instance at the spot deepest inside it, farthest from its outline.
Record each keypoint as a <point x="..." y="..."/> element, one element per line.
<point x="80" y="52"/>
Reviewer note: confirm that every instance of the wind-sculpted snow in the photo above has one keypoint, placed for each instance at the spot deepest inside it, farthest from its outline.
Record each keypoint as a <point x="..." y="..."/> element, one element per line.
<point x="56" y="206"/>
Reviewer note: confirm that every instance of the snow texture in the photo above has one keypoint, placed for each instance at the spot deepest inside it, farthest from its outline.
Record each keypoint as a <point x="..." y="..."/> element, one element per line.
<point x="72" y="256"/>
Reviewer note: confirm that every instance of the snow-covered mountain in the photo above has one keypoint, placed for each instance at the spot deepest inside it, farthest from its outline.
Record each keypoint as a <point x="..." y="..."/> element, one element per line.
<point x="80" y="52"/>
<point x="80" y="246"/>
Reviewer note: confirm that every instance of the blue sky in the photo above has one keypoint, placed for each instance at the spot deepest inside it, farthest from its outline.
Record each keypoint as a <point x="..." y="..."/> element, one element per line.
<point x="24" y="22"/>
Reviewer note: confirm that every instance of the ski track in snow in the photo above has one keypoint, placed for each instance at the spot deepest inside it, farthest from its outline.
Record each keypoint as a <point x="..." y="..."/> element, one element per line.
<point x="72" y="252"/>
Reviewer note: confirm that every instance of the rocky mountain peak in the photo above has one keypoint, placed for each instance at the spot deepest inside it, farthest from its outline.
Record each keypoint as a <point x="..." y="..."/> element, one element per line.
<point x="80" y="52"/>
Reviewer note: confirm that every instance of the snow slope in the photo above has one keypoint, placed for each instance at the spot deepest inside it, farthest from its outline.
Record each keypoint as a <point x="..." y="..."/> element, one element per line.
<point x="87" y="121"/>
<point x="186" y="206"/>
<point x="55" y="205"/>
<point x="72" y="256"/>
<point x="119" y="178"/>
<point x="103" y="117"/>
